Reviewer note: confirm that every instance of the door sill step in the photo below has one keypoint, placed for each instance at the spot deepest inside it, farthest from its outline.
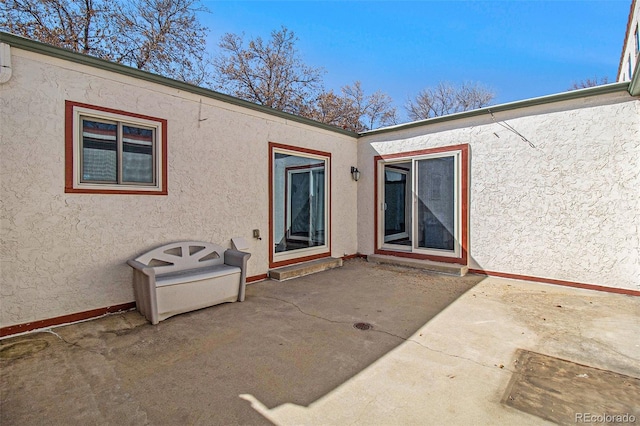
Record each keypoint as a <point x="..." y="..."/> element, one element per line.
<point x="306" y="268"/>
<point x="427" y="265"/>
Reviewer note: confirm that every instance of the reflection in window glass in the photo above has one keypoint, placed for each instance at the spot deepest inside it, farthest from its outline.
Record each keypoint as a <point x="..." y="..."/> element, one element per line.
<point x="436" y="203"/>
<point x="137" y="154"/>
<point x="115" y="152"/>
<point x="299" y="202"/>
<point x="99" y="151"/>
<point x="395" y="211"/>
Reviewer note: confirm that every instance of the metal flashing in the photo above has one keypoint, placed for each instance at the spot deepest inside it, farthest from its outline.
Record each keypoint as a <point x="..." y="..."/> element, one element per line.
<point x="60" y="53"/>
<point x="558" y="97"/>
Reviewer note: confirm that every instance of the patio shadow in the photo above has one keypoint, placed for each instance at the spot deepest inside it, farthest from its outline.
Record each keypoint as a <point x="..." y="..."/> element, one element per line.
<point x="289" y="342"/>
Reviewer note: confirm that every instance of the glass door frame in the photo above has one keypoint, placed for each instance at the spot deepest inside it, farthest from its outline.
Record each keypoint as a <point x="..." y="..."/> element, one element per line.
<point x="461" y="196"/>
<point x="302" y="254"/>
<point x="408" y="208"/>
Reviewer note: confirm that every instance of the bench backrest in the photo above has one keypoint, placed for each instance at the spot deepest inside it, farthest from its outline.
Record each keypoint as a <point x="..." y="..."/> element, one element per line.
<point x="183" y="255"/>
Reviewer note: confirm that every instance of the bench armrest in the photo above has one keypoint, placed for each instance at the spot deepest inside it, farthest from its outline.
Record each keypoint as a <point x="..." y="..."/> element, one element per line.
<point x="147" y="270"/>
<point x="239" y="259"/>
<point x="236" y="258"/>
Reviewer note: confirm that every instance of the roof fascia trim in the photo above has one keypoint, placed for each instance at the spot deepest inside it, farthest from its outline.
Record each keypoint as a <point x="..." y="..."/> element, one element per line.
<point x="60" y="53"/>
<point x="559" y="97"/>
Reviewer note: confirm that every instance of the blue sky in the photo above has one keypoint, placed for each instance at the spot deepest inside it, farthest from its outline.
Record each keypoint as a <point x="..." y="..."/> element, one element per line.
<point x="519" y="49"/>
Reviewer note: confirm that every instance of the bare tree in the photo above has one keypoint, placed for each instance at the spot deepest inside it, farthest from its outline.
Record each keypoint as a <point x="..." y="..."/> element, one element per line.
<point x="353" y="109"/>
<point x="331" y="109"/>
<point x="160" y="36"/>
<point x="269" y="73"/>
<point x="78" y="25"/>
<point x="371" y="111"/>
<point x="446" y="98"/>
<point x="583" y="84"/>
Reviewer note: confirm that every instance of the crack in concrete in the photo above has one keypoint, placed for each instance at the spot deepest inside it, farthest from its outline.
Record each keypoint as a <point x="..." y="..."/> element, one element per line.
<point x="404" y="339"/>
<point x="305" y="313"/>
<point x="364" y="411"/>
<point x="74" y="344"/>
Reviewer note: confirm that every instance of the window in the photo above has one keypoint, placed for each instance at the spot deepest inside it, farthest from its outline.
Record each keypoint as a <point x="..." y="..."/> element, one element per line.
<point x="422" y="199"/>
<point x="636" y="36"/>
<point x="110" y="151"/>
<point x="299" y="210"/>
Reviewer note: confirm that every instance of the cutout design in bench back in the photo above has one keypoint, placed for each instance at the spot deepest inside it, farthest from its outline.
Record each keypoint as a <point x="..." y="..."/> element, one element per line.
<point x="183" y="255"/>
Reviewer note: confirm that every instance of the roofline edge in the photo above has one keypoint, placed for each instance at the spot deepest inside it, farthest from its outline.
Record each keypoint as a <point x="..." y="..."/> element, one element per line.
<point x="65" y="54"/>
<point x="557" y="97"/>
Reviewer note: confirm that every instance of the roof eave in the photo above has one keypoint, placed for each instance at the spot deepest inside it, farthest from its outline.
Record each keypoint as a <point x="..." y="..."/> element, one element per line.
<point x="559" y="97"/>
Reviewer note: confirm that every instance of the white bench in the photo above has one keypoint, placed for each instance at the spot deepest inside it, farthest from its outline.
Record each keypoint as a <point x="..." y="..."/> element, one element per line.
<point x="185" y="276"/>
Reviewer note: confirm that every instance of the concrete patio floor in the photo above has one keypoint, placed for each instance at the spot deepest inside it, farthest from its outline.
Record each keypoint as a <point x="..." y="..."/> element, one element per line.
<point x="441" y="350"/>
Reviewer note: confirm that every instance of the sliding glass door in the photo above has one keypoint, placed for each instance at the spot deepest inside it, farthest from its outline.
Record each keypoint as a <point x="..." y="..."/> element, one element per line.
<point x="422" y="204"/>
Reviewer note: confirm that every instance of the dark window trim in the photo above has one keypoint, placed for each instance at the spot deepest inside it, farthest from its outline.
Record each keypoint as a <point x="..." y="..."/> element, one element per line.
<point x="70" y="152"/>
<point x="274" y="263"/>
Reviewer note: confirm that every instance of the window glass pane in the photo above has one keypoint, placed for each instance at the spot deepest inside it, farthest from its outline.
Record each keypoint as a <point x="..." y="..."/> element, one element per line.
<point x="299" y="202"/>
<point x="436" y="203"/>
<point x="395" y="185"/>
<point x="99" y="151"/>
<point x="137" y="155"/>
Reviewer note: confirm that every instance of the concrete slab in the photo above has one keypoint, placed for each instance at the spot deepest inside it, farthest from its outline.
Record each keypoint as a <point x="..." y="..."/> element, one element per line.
<point x="441" y="350"/>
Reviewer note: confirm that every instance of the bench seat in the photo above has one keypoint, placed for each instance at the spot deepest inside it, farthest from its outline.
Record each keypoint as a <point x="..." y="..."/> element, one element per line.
<point x="188" y="275"/>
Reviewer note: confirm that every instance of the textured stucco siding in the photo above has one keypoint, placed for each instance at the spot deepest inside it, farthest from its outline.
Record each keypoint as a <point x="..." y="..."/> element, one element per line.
<point x="65" y="253"/>
<point x="568" y="209"/>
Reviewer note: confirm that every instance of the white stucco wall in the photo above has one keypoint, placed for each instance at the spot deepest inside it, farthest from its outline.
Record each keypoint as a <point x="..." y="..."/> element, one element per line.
<point x="568" y="209"/>
<point x="65" y="253"/>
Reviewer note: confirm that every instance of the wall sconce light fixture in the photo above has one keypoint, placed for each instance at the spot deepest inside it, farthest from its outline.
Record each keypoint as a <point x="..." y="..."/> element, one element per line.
<point x="355" y="173"/>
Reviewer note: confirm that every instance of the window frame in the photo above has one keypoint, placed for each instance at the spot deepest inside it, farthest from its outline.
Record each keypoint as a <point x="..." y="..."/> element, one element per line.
<point x="75" y="113"/>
